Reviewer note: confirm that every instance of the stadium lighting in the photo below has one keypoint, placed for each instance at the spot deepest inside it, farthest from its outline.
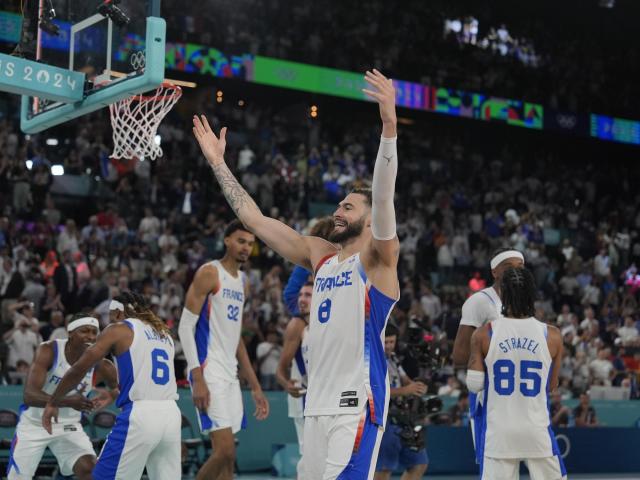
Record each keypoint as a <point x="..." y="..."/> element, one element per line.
<point x="52" y="142"/>
<point x="57" y="170"/>
<point x="157" y="139"/>
<point x="29" y="164"/>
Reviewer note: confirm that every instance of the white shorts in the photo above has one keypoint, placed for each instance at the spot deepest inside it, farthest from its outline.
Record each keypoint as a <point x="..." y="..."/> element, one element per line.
<point x="225" y="409"/>
<point x="344" y="446"/>
<point x="67" y="443"/>
<point x="546" y="468"/>
<point x="299" y="424"/>
<point x="146" y="433"/>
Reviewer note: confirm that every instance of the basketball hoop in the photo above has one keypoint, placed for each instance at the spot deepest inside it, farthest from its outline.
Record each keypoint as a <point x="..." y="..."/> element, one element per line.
<point x="135" y="122"/>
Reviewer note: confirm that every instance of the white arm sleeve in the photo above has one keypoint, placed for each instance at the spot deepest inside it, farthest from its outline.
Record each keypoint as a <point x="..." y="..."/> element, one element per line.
<point x="475" y="381"/>
<point x="186" y="332"/>
<point x="383" y="214"/>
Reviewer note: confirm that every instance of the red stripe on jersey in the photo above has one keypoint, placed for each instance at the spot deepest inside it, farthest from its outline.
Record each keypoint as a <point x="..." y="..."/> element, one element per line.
<point x="322" y="262"/>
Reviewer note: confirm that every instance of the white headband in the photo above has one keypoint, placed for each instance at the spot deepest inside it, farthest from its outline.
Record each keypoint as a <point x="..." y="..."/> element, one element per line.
<point x="116" y="305"/>
<point x="81" y="322"/>
<point x="501" y="257"/>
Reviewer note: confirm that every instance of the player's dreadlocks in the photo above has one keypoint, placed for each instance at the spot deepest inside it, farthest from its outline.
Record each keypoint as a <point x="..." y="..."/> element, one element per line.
<point x="137" y="306"/>
<point x="518" y="291"/>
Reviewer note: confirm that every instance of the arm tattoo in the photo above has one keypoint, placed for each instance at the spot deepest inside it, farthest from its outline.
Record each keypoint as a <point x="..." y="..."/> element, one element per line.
<point x="232" y="190"/>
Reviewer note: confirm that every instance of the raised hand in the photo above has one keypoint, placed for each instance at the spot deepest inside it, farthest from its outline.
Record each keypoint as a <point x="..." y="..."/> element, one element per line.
<point x="382" y="90"/>
<point x="212" y="147"/>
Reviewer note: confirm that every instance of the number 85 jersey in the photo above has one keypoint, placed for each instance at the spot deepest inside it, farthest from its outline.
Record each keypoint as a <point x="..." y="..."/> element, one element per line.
<point x="516" y="394"/>
<point x="219" y="327"/>
<point x="347" y="365"/>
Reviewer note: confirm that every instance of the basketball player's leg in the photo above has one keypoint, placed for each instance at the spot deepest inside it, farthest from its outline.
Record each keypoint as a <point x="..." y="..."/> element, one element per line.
<point x="547" y="468"/>
<point x="353" y="445"/>
<point x="164" y="462"/>
<point x="219" y="466"/>
<point x="223" y="419"/>
<point x="27" y="447"/>
<point x="299" y="424"/>
<point x="499" y="469"/>
<point x="315" y="443"/>
<point x="129" y="443"/>
<point x="74" y="453"/>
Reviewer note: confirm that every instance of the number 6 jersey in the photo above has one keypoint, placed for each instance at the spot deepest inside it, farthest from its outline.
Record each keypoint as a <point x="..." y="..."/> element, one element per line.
<point x="219" y="326"/>
<point x="145" y="370"/>
<point x="518" y="368"/>
<point x="347" y="365"/>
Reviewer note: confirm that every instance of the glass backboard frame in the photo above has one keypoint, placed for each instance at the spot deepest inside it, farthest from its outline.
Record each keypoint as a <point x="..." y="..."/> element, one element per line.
<point x="107" y="87"/>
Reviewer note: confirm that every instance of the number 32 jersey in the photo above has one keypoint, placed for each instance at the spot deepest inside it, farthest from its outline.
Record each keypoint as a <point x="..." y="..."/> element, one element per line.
<point x="347" y="364"/>
<point x="518" y="368"/>
<point x="219" y="327"/>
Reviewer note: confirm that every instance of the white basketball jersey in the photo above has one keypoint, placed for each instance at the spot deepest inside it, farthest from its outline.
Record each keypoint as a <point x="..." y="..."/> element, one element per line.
<point x="59" y="367"/>
<point x="146" y="370"/>
<point x="481" y="307"/>
<point x="347" y="364"/>
<point x="299" y="369"/>
<point x="518" y="367"/>
<point x="220" y="325"/>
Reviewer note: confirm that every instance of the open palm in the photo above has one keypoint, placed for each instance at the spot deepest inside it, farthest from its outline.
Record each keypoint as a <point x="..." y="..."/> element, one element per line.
<point x="212" y="147"/>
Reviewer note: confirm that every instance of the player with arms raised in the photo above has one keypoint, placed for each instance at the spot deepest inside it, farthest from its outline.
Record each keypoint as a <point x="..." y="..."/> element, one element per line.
<point x="356" y="286"/>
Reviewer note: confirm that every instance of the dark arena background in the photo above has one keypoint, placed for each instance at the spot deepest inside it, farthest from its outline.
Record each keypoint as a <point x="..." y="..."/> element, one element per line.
<point x="518" y="127"/>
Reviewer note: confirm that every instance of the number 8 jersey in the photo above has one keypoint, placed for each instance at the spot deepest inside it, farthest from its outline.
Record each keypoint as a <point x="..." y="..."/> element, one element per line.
<point x="347" y="364"/>
<point x="219" y="327"/>
<point x="516" y="394"/>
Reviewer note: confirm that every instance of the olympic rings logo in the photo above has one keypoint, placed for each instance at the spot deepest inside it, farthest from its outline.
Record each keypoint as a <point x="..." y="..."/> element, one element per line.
<point x="138" y="60"/>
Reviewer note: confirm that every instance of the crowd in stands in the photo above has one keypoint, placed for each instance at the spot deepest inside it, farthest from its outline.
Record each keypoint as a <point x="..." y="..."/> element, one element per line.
<point x="148" y="226"/>
<point x="585" y="66"/>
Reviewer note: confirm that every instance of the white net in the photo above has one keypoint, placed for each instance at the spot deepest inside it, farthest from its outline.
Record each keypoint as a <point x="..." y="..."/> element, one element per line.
<point x="135" y="122"/>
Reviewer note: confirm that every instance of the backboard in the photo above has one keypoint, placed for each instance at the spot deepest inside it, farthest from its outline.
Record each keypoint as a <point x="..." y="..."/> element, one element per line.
<point x="117" y="44"/>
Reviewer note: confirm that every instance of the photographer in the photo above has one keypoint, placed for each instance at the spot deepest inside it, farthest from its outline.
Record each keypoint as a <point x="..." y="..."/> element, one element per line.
<point x="393" y="452"/>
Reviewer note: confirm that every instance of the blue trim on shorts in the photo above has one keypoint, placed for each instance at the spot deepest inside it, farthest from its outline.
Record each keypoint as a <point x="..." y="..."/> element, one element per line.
<point x="109" y="459"/>
<point x="14" y="442"/>
<point x="360" y="461"/>
<point x="552" y="436"/>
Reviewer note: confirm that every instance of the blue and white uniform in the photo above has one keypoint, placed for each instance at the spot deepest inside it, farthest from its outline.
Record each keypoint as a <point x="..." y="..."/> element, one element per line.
<point x="299" y="369"/>
<point x="147" y="431"/>
<point x="68" y="441"/>
<point x="217" y="337"/>
<point x="481" y="307"/>
<point x="348" y="390"/>
<point x="517" y="425"/>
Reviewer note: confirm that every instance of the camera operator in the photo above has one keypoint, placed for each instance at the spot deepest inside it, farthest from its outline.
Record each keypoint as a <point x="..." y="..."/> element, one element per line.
<point x="393" y="452"/>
